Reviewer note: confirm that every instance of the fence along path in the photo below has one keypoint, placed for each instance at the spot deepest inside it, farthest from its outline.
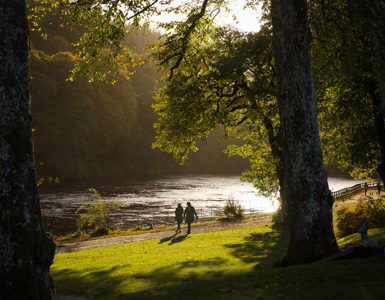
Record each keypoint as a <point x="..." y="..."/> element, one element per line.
<point x="350" y="191"/>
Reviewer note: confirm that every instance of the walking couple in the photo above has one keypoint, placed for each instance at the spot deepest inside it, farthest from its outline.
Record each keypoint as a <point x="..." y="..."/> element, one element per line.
<point x="188" y="214"/>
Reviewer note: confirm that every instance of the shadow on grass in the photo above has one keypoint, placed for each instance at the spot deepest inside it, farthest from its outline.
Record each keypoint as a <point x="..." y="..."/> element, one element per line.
<point x="182" y="280"/>
<point x="261" y="248"/>
<point x="174" y="239"/>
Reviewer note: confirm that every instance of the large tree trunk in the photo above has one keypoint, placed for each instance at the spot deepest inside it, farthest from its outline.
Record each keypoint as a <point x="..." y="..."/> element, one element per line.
<point x="25" y="252"/>
<point x="305" y="182"/>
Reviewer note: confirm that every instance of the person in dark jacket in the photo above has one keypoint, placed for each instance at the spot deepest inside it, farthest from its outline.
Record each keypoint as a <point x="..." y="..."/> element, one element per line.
<point x="178" y="216"/>
<point x="189" y="215"/>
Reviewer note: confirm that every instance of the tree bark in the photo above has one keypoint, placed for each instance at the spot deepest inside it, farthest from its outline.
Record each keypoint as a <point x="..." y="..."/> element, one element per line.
<point x="305" y="181"/>
<point x="25" y="252"/>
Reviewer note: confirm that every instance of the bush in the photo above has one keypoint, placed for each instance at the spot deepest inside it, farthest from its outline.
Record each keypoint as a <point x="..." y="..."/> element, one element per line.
<point x="371" y="212"/>
<point x="233" y="209"/>
<point x="97" y="214"/>
<point x="280" y="217"/>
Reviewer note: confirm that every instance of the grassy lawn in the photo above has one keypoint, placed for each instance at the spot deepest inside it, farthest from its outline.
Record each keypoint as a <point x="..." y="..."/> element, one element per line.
<point x="233" y="264"/>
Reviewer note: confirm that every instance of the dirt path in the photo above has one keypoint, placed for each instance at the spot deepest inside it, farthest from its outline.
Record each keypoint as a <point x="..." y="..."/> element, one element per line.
<point x="360" y="197"/>
<point x="84" y="245"/>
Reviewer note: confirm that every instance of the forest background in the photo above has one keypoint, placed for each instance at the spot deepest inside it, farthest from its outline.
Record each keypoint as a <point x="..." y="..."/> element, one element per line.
<point x="98" y="131"/>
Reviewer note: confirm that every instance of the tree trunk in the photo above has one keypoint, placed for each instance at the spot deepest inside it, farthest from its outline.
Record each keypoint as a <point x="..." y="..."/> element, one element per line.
<point x="305" y="182"/>
<point x="25" y="252"/>
<point x="378" y="113"/>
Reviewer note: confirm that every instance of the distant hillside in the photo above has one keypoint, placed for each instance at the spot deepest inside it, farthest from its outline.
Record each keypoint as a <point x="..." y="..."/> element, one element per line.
<point x="95" y="130"/>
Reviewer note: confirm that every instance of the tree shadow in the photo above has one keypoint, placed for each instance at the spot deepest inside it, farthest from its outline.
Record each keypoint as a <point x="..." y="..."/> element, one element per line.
<point x="186" y="280"/>
<point x="261" y="248"/>
<point x="174" y="239"/>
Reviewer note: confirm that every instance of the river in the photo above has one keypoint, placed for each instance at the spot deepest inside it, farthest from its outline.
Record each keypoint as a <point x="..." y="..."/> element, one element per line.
<point x="154" y="200"/>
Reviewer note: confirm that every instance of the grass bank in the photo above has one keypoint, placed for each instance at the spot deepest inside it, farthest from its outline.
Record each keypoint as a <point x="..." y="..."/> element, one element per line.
<point x="234" y="264"/>
<point x="83" y="236"/>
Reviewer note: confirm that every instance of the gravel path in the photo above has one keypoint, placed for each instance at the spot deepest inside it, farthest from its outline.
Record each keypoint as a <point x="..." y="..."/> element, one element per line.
<point x="359" y="197"/>
<point x="117" y="240"/>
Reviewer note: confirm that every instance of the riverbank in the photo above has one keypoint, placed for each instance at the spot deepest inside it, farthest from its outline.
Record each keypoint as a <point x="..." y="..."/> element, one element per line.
<point x="163" y="234"/>
<point x="153" y="201"/>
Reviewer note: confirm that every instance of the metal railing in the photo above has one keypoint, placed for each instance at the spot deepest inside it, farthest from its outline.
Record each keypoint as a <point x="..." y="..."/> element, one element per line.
<point x="350" y="191"/>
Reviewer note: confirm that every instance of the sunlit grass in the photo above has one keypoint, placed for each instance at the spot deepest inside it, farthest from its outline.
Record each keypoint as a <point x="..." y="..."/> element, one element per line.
<point x="78" y="237"/>
<point x="154" y="264"/>
<point x="234" y="264"/>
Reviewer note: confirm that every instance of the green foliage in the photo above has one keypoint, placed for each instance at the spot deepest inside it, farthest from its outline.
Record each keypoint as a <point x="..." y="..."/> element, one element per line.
<point x="226" y="83"/>
<point x="233" y="209"/>
<point x="97" y="214"/>
<point x="347" y="57"/>
<point x="280" y="217"/>
<point x="262" y="163"/>
<point x="76" y="123"/>
<point x="49" y="180"/>
<point x="95" y="130"/>
<point x="101" y="29"/>
<point x="372" y="213"/>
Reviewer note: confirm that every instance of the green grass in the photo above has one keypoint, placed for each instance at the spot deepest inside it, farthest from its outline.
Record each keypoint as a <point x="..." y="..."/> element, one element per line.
<point x="79" y="237"/>
<point x="233" y="264"/>
<point x="353" y="240"/>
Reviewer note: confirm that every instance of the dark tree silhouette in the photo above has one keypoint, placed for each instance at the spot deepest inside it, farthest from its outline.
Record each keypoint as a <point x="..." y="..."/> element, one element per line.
<point x="25" y="252"/>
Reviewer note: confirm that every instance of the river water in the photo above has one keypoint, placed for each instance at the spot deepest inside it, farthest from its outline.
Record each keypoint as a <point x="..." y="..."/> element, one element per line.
<point x="154" y="200"/>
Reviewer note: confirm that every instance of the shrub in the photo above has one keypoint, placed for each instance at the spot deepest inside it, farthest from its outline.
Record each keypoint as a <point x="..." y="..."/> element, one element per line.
<point x="371" y="212"/>
<point x="97" y="214"/>
<point x="233" y="209"/>
<point x="280" y="217"/>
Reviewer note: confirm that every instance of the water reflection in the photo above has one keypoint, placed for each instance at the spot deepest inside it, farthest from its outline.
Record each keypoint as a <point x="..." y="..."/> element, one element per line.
<point x="154" y="200"/>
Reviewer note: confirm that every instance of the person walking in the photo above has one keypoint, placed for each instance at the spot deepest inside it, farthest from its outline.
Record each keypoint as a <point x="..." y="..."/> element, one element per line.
<point x="365" y="187"/>
<point x="189" y="215"/>
<point x="379" y="188"/>
<point x="178" y="216"/>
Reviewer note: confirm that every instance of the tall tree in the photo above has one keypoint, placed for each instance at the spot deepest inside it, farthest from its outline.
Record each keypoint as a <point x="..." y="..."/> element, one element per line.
<point x="25" y="252"/>
<point x="229" y="83"/>
<point x="349" y="58"/>
<point x="305" y="182"/>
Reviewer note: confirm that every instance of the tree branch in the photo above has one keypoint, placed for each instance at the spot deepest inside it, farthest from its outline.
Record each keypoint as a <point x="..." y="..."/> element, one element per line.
<point x="193" y="18"/>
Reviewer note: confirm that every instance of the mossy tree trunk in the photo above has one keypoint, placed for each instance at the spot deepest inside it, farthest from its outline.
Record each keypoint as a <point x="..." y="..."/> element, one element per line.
<point x="25" y="252"/>
<point x="305" y="182"/>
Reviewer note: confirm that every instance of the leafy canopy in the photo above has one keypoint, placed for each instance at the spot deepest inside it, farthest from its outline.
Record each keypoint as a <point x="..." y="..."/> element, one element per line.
<point x="348" y="58"/>
<point x="227" y="83"/>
